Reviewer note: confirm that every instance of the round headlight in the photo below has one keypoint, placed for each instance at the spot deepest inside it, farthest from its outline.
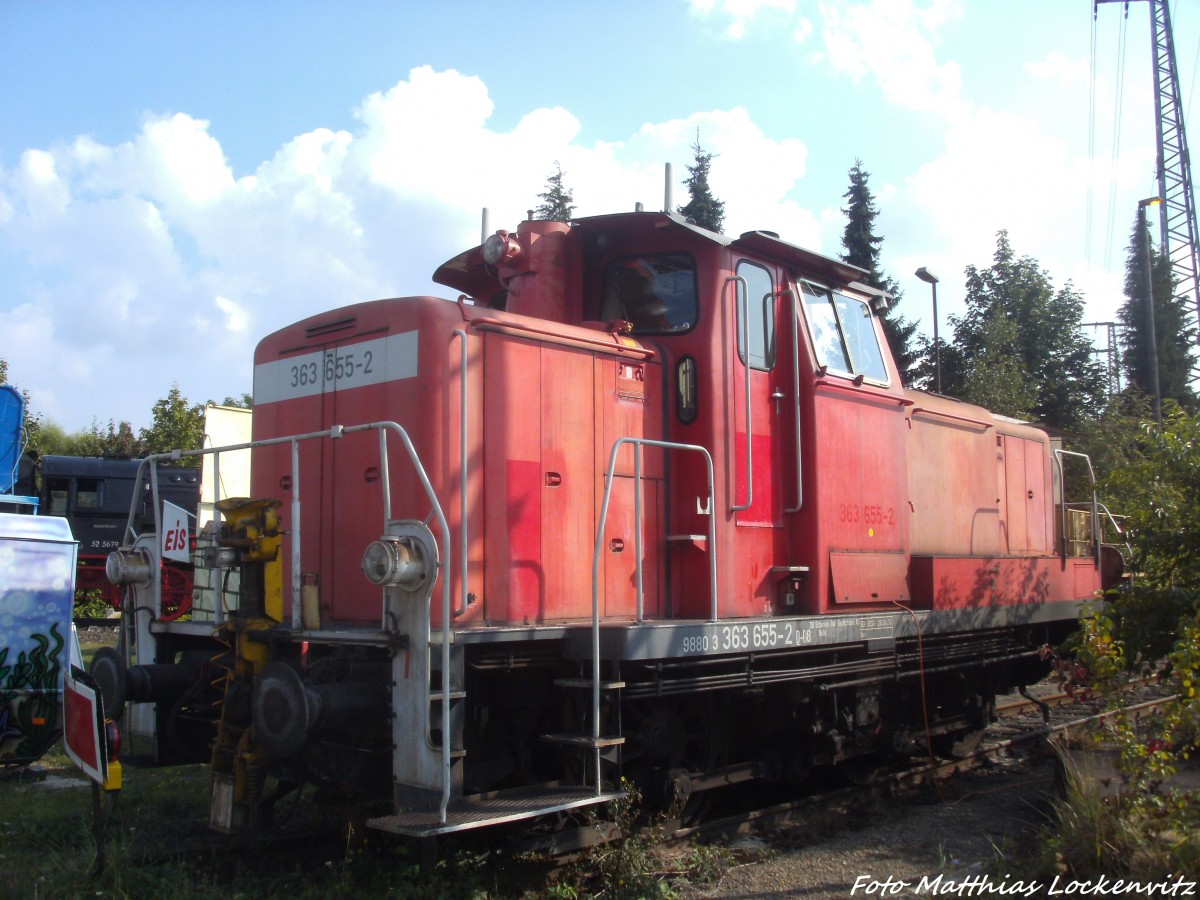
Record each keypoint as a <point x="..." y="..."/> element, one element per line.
<point x="391" y="561"/>
<point x="499" y="248"/>
<point x="128" y="567"/>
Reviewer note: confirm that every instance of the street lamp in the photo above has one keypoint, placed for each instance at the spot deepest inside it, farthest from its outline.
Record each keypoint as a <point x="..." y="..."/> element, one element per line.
<point x="929" y="278"/>
<point x="1145" y="226"/>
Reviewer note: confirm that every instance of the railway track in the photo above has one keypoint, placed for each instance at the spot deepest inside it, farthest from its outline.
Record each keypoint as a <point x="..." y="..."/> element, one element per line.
<point x="1046" y="715"/>
<point x="1002" y="741"/>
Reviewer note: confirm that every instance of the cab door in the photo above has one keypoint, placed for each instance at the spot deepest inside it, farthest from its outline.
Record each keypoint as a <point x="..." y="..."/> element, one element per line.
<point x="761" y="409"/>
<point x="761" y="404"/>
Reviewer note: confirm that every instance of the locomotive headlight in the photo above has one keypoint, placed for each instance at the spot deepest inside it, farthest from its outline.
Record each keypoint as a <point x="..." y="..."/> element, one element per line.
<point x="500" y="247"/>
<point x="129" y="567"/>
<point x="394" y="561"/>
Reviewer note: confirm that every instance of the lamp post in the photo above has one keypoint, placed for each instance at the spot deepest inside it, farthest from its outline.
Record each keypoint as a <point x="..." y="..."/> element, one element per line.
<point x="929" y="278"/>
<point x="1145" y="226"/>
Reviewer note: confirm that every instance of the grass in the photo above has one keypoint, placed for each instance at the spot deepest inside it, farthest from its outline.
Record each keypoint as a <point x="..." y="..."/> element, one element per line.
<point x="48" y="849"/>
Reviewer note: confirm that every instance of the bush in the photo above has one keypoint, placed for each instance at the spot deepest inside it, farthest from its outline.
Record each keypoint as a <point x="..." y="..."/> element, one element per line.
<point x="90" y="604"/>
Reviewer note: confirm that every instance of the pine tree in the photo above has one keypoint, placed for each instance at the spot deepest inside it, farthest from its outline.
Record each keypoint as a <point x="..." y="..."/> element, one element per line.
<point x="557" y="200"/>
<point x="1172" y="325"/>
<point x="703" y="208"/>
<point x="862" y="248"/>
<point x="1022" y="339"/>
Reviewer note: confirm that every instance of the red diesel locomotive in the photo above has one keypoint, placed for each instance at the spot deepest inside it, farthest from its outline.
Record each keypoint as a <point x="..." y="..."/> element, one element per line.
<point x="645" y="501"/>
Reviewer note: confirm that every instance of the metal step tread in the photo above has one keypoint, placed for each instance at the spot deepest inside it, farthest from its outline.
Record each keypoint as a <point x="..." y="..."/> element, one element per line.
<point x="477" y="812"/>
<point x="587" y="683"/>
<point x="583" y="740"/>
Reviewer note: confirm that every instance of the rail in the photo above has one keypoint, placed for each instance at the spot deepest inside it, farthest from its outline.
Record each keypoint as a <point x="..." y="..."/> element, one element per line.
<point x="598" y="548"/>
<point x="336" y="432"/>
<point x="550" y="336"/>
<point x="1093" y="506"/>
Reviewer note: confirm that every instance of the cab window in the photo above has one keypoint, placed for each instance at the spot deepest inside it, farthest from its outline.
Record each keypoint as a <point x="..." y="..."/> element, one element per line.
<point x="87" y="493"/>
<point x="656" y="293"/>
<point x="58" y="491"/>
<point x="843" y="333"/>
<point x="754" y="285"/>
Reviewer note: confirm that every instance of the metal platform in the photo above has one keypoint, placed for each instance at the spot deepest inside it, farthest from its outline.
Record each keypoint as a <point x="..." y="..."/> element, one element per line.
<point x="492" y="809"/>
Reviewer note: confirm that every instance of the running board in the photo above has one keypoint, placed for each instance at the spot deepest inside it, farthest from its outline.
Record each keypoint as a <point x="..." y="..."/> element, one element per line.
<point x="492" y="809"/>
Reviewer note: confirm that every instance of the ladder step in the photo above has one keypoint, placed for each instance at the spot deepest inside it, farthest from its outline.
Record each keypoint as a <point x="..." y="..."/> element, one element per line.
<point x="478" y="812"/>
<point x="454" y="695"/>
<point x="583" y="740"/>
<point x="587" y="683"/>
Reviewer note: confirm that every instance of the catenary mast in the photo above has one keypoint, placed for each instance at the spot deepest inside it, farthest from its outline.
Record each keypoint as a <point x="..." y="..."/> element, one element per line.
<point x="1178" y="210"/>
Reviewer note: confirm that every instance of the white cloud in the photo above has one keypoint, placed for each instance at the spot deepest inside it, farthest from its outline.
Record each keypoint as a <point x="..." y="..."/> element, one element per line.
<point x="147" y="262"/>
<point x="739" y="14"/>
<point x="893" y="42"/>
<point x="1060" y="68"/>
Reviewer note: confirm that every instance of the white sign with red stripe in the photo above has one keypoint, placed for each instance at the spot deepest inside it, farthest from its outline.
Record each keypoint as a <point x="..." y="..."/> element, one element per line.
<point x="175" y="544"/>
<point x="83" y="724"/>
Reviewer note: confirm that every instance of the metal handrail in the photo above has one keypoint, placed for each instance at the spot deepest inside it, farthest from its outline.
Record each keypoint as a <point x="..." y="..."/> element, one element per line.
<point x="1095" y="504"/>
<point x="1103" y="507"/>
<point x="745" y="324"/>
<point x="334" y="433"/>
<point x="599" y="546"/>
<point x="462" y="464"/>
<point x="795" y="317"/>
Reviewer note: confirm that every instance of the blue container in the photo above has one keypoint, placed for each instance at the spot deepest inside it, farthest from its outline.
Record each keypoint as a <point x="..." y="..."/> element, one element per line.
<point x="12" y="435"/>
<point x="37" y="594"/>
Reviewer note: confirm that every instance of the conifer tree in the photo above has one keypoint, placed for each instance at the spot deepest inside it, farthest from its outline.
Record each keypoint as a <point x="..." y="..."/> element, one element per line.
<point x="557" y="201"/>
<point x="1172" y="325"/>
<point x="862" y="248"/>
<point x="1021" y="338"/>
<point x="703" y="208"/>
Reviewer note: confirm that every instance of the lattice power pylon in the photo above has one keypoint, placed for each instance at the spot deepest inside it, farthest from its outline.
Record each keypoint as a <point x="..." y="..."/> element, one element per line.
<point x="1178" y="209"/>
<point x="1111" y="354"/>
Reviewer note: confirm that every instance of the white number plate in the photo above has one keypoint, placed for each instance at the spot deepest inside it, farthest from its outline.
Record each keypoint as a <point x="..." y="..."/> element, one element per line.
<point x="348" y="366"/>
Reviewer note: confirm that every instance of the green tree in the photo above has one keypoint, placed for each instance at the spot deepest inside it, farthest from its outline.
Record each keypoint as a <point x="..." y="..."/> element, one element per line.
<point x="557" y="201"/>
<point x="115" y="439"/>
<point x="3" y="370"/>
<point x="246" y="401"/>
<point x="1014" y="311"/>
<point x="703" y="208"/>
<point x="1173" y="328"/>
<point x="862" y="246"/>
<point x="178" y="425"/>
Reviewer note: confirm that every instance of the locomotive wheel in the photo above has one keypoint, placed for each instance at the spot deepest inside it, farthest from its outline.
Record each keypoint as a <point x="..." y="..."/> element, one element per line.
<point x="176" y="592"/>
<point x="664" y="741"/>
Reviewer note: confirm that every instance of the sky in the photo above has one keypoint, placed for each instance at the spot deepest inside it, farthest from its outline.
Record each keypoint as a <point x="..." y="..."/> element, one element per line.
<point x="179" y="180"/>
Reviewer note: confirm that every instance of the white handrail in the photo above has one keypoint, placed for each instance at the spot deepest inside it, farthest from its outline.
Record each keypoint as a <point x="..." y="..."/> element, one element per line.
<point x="334" y="433"/>
<point x="598" y="549"/>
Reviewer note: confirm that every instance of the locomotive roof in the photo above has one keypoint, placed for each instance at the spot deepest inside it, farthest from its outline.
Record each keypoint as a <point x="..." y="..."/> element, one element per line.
<point x="110" y="467"/>
<point x="468" y="273"/>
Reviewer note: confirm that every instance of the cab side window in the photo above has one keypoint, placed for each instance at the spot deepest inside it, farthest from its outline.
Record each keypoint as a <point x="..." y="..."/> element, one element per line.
<point x="755" y="286"/>
<point x="656" y="293"/>
<point x="843" y="333"/>
<point x="58" y="491"/>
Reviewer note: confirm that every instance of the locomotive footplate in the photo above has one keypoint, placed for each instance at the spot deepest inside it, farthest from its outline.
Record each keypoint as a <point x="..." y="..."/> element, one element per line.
<point x="493" y="809"/>
<point x="878" y="631"/>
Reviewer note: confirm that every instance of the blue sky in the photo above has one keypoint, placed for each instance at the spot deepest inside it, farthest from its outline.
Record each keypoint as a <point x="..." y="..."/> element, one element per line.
<point x="179" y="180"/>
